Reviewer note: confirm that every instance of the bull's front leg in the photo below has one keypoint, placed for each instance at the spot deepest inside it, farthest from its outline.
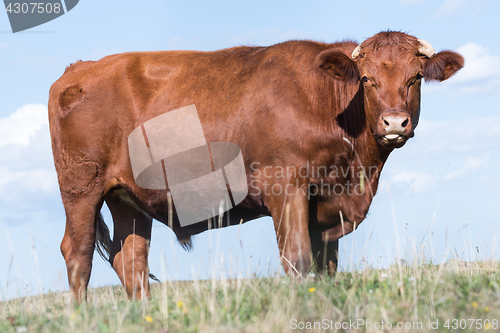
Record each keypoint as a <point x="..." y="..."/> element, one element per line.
<point x="289" y="207"/>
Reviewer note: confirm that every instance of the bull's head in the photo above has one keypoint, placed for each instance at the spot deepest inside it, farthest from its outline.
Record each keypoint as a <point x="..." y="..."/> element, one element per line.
<point x="390" y="67"/>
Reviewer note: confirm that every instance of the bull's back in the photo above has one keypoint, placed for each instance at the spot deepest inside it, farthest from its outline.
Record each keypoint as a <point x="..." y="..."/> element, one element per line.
<point x="94" y="106"/>
<point x="134" y="82"/>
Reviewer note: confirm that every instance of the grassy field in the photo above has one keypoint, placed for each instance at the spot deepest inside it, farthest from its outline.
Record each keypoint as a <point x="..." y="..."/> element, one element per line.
<point x="420" y="297"/>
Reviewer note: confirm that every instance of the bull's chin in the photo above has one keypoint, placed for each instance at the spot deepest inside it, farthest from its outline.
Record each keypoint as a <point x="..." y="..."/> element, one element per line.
<point x="391" y="141"/>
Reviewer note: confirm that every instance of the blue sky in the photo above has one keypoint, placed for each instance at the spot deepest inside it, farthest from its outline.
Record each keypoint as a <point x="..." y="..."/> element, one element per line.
<point x="437" y="195"/>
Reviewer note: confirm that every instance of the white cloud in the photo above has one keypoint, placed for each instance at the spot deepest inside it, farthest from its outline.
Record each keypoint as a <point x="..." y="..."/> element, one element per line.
<point x="26" y="165"/>
<point x="481" y="70"/>
<point x="446" y="153"/>
<point x="470" y="165"/>
<point x="30" y="181"/>
<point x="455" y="136"/>
<point x="417" y="181"/>
<point x="424" y="162"/>
<point x="449" y="8"/>
<point x="22" y="125"/>
<point x="480" y="74"/>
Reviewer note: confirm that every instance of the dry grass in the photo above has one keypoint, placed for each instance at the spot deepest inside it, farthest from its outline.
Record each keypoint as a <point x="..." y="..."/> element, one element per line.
<point x="410" y="294"/>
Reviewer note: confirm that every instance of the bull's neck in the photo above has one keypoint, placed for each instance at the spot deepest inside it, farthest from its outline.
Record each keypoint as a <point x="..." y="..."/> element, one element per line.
<point x="343" y="104"/>
<point x="369" y="156"/>
<point x="360" y="145"/>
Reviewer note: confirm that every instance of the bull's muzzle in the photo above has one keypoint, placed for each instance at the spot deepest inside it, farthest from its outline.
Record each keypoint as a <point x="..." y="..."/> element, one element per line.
<point x="394" y="128"/>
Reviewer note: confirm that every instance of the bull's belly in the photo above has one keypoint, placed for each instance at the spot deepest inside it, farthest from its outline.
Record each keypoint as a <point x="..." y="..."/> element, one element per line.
<point x="234" y="216"/>
<point x="156" y="204"/>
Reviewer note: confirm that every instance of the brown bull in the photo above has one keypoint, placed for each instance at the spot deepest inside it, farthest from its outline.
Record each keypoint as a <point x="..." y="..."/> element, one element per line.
<point x="315" y="123"/>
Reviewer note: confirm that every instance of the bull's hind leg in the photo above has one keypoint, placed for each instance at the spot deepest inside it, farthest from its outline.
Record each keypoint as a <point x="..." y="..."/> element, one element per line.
<point x="78" y="243"/>
<point x="130" y="248"/>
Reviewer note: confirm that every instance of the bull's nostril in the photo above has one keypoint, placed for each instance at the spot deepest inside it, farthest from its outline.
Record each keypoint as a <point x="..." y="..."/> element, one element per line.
<point x="405" y="123"/>
<point x="386" y="122"/>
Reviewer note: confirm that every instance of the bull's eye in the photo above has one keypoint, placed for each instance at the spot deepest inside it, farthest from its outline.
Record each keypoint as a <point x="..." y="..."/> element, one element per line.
<point x="418" y="77"/>
<point x="364" y="79"/>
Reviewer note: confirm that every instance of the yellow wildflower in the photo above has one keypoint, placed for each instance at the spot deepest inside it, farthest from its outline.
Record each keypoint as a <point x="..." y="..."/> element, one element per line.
<point x="487" y="326"/>
<point x="486" y="309"/>
<point x="74" y="314"/>
<point x="180" y="304"/>
<point x="474" y="304"/>
<point x="311" y="290"/>
<point x="149" y="319"/>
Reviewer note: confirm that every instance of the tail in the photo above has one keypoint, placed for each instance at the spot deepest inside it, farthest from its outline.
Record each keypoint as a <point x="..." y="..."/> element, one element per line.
<point x="103" y="242"/>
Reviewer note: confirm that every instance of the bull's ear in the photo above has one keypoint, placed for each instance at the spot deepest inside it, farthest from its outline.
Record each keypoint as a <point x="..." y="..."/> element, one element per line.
<point x="337" y="65"/>
<point x="442" y="66"/>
